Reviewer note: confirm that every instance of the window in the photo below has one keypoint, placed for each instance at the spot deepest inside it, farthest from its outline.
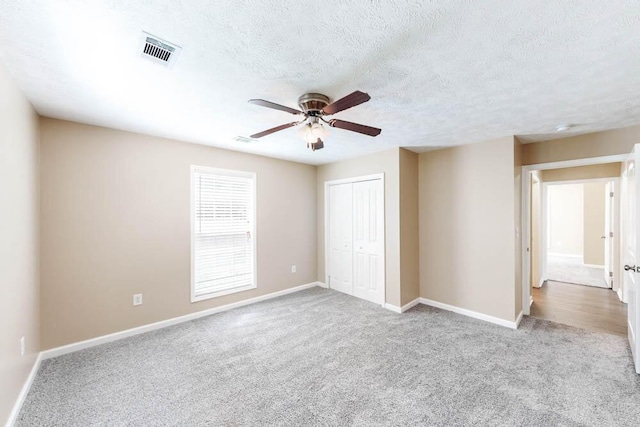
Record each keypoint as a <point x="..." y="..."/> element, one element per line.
<point x="222" y="232"/>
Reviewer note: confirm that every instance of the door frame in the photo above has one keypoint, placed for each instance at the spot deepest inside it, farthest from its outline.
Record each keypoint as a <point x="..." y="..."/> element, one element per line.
<point x="327" y="201"/>
<point x="525" y="281"/>
<point x="544" y="225"/>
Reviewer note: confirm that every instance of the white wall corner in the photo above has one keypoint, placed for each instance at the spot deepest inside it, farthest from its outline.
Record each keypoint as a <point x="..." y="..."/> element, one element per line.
<point x="470" y="313"/>
<point x="13" y="416"/>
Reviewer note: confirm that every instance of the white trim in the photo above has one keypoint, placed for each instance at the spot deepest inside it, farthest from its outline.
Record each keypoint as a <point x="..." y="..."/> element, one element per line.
<point x="322" y="285"/>
<point x="519" y="319"/>
<point x="410" y="305"/>
<point x="404" y="308"/>
<point x="581" y="181"/>
<point x="13" y="416"/>
<point x="362" y="178"/>
<point x="226" y="172"/>
<point x="579" y="162"/>
<point x="594" y="266"/>
<point x="469" y="313"/>
<point x="392" y="307"/>
<point x="70" y="348"/>
<point x="531" y="301"/>
<point x="351" y="180"/>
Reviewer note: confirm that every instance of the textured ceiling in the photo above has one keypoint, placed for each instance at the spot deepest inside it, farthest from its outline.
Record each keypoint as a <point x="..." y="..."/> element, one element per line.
<point x="440" y="73"/>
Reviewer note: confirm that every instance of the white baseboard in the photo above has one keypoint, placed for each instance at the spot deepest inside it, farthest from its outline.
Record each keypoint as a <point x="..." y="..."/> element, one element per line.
<point x="392" y="307"/>
<point x="593" y="266"/>
<point x="322" y="285"/>
<point x="13" y="416"/>
<point x="519" y="318"/>
<point x="409" y="305"/>
<point x="70" y="348"/>
<point x="470" y="313"/>
<point x="402" y="309"/>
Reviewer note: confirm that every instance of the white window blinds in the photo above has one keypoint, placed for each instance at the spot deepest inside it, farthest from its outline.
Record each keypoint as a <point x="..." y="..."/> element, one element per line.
<point x="223" y="232"/>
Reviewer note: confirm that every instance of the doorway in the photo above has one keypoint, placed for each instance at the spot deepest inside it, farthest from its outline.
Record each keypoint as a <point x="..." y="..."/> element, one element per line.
<point x="578" y="219"/>
<point x="355" y="237"/>
<point x="571" y="233"/>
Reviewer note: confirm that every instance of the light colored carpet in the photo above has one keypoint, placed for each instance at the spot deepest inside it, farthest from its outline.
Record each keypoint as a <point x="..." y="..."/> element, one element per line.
<point x="572" y="270"/>
<point x="319" y="357"/>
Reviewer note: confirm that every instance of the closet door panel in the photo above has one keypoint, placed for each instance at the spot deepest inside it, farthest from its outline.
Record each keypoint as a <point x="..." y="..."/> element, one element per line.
<point x="368" y="240"/>
<point x="341" y="238"/>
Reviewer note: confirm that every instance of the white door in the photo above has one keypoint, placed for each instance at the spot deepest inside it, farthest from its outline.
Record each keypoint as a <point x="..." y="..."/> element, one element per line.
<point x="368" y="240"/>
<point x="608" y="234"/>
<point x="630" y="255"/>
<point x="341" y="238"/>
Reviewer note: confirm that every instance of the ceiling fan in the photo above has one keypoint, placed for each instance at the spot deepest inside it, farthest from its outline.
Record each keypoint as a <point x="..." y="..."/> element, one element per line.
<point x="314" y="106"/>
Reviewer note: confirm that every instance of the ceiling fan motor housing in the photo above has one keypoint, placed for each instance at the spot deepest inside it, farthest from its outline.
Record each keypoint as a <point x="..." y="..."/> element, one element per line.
<point x="313" y="103"/>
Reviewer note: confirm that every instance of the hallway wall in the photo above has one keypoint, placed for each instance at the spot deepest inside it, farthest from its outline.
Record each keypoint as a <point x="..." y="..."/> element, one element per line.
<point x="594" y="222"/>
<point x="565" y="220"/>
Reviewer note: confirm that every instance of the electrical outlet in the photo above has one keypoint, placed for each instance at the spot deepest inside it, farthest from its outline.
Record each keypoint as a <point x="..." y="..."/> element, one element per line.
<point x="137" y="299"/>
<point x="22" y="346"/>
<point x="293" y="268"/>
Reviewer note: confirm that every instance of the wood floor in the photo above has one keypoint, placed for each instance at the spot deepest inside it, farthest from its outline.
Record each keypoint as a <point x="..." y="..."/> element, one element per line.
<point x="584" y="307"/>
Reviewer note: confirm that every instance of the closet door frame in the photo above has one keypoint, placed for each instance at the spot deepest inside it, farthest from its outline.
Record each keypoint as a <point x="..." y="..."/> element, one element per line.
<point x="327" y="247"/>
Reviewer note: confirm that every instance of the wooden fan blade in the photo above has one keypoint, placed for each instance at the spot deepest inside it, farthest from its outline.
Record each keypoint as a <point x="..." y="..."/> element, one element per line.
<point x="263" y="103"/>
<point x="273" y="130"/>
<point x="356" y="98"/>
<point x="355" y="127"/>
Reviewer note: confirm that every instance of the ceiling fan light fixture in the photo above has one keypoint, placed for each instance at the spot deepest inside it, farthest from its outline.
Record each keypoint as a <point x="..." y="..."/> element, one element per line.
<point x="319" y="131"/>
<point x="313" y="131"/>
<point x="313" y="106"/>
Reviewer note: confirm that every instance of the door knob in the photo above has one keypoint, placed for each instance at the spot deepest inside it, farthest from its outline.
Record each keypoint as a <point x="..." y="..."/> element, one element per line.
<point x="630" y="267"/>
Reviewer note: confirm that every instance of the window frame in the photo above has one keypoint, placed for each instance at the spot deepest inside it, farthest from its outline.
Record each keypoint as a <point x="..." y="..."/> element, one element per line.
<point x="192" y="210"/>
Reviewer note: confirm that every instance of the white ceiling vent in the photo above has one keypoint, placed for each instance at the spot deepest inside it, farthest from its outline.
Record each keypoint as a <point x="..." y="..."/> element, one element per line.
<point x="159" y="50"/>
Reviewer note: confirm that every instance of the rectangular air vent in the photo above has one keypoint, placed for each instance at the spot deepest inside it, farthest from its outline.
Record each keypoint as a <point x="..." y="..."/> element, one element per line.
<point x="158" y="50"/>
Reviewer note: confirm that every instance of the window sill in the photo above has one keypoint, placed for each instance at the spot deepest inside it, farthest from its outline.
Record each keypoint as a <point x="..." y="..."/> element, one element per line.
<point x="222" y="293"/>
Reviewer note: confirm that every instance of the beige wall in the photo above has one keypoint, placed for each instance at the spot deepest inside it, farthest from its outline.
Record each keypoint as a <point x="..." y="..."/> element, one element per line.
<point x="618" y="141"/>
<point x="409" y="241"/>
<point x="594" y="217"/>
<point x="517" y="202"/>
<point x="605" y="170"/>
<point x="19" y="279"/>
<point x="466" y="226"/>
<point x="116" y="221"/>
<point x="386" y="162"/>
<point x="565" y="220"/>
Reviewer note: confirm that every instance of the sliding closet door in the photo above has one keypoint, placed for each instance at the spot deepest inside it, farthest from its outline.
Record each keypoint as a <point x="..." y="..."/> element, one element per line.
<point x="341" y="238"/>
<point x="368" y="240"/>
